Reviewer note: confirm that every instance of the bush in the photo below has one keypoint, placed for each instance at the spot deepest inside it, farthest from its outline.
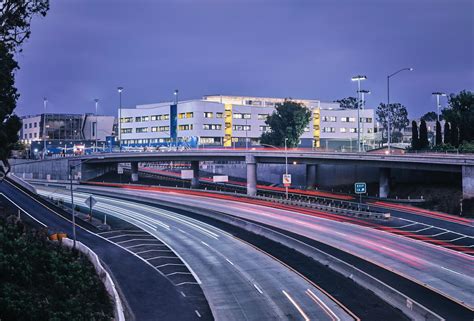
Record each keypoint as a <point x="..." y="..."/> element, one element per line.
<point x="44" y="281"/>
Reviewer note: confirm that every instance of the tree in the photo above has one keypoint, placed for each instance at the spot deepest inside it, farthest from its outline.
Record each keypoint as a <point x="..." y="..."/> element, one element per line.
<point x="398" y="117"/>
<point x="287" y="121"/>
<point x="415" y="141"/>
<point x="424" y="143"/>
<point x="454" y="134"/>
<point x="439" y="138"/>
<point x="447" y="133"/>
<point x="430" y="116"/>
<point x="349" y="102"/>
<point x="461" y="112"/>
<point x="15" y="21"/>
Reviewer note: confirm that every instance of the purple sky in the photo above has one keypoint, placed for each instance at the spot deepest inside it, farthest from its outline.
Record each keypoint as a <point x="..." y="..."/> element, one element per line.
<point x="84" y="49"/>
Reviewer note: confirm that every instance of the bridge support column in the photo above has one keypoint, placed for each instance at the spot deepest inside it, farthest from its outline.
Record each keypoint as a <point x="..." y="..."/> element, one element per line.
<point x="467" y="182"/>
<point x="195" y="179"/>
<point x="311" y="172"/>
<point x="134" y="171"/>
<point x="384" y="182"/>
<point x="251" y="175"/>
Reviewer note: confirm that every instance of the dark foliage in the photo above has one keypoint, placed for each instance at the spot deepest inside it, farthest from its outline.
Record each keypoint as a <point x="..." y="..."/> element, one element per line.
<point x="447" y="133"/>
<point x="439" y="138"/>
<point x="415" y="141"/>
<point x="424" y="143"/>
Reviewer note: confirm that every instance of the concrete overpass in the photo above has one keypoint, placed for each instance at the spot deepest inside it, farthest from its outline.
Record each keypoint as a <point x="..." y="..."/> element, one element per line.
<point x="93" y="165"/>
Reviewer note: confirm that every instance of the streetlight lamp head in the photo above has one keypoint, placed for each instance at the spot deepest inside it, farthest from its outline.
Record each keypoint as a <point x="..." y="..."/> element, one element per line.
<point x="358" y="77"/>
<point x="96" y="100"/>
<point x="119" y="89"/>
<point x="176" y="92"/>
<point x="411" y="69"/>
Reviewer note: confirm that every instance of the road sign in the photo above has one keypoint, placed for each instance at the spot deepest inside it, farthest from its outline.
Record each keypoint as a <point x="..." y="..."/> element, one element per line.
<point x="286" y="179"/>
<point x="119" y="169"/>
<point x="360" y="188"/>
<point x="187" y="174"/>
<point x="90" y="201"/>
<point x="220" y="178"/>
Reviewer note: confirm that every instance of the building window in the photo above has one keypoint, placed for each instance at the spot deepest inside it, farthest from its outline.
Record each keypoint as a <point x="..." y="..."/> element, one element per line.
<point x="35" y="135"/>
<point x="329" y="130"/>
<point x="126" y="130"/>
<point x="219" y="115"/>
<point x="30" y="135"/>
<point x="189" y="114"/>
<point x="370" y="130"/>
<point x="36" y="124"/>
<point x="264" y="128"/>
<point x="26" y="126"/>
<point x="262" y="116"/>
<point x="211" y="126"/>
<point x="208" y="114"/>
<point x="186" y="127"/>
<point x="209" y="140"/>
<point x="241" y="127"/>
<point x="242" y="116"/>
<point x="160" y="128"/>
<point x="343" y="130"/>
<point x="352" y="119"/>
<point x="26" y="136"/>
<point x="329" y="118"/>
<point x="141" y="130"/>
<point x="366" y="120"/>
<point x="126" y="119"/>
<point x="29" y="125"/>
<point x="138" y="119"/>
<point x="353" y="130"/>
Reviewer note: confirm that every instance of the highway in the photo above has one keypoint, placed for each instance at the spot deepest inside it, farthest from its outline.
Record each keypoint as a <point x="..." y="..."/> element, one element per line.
<point x="239" y="281"/>
<point x="445" y="271"/>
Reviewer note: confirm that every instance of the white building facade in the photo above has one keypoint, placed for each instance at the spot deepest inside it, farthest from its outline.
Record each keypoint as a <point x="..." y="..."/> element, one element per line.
<point x="231" y="121"/>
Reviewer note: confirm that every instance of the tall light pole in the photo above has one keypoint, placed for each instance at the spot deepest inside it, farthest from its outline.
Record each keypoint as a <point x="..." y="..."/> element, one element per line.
<point x="45" y="104"/>
<point x="438" y="106"/>
<point x="286" y="167"/>
<point x="362" y="93"/>
<point x="96" y="123"/>
<point x="358" y="78"/>
<point x="120" y="89"/>
<point x="388" y="103"/>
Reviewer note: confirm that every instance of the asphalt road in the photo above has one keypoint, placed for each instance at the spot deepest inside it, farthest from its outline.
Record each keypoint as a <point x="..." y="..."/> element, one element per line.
<point x="239" y="281"/>
<point x="442" y="270"/>
<point x="149" y="295"/>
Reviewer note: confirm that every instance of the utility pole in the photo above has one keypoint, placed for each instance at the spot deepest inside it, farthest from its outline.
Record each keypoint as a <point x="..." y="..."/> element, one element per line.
<point x="358" y="78"/>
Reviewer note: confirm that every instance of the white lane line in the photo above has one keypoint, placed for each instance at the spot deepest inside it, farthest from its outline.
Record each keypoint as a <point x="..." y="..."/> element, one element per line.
<point x="205" y="244"/>
<point x="229" y="261"/>
<point x="182" y="293"/>
<point x="18" y="206"/>
<point x="461" y="237"/>
<point x="296" y="305"/>
<point x="162" y="257"/>
<point x="169" y="264"/>
<point x="133" y="240"/>
<point x="174" y="273"/>
<point x="182" y="283"/>
<point x="122" y="235"/>
<point x="339" y="233"/>
<point x="434" y="235"/>
<point x="420" y="230"/>
<point x="258" y="289"/>
<point x="147" y="251"/>
<point x="132" y="246"/>
<point x="408" y="225"/>
<point x="454" y="271"/>
<point x="197" y="313"/>
<point x="184" y="232"/>
<point x="323" y="305"/>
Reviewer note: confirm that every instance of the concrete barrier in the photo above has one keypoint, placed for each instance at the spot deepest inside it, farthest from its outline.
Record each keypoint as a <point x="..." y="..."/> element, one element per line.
<point x="21" y="182"/>
<point x="103" y="275"/>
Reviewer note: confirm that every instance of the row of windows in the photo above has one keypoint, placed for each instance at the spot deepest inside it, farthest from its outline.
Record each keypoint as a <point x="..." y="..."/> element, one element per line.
<point x="145" y="129"/>
<point x="30" y="125"/>
<point x="139" y="119"/>
<point x="346" y="119"/>
<point x="344" y="130"/>
<point x="146" y="141"/>
<point x="189" y="114"/>
<point x="30" y="136"/>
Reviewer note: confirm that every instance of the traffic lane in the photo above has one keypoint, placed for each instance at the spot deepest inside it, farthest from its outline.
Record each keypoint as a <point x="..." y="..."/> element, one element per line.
<point x="447" y="271"/>
<point x="240" y="282"/>
<point x="144" y="289"/>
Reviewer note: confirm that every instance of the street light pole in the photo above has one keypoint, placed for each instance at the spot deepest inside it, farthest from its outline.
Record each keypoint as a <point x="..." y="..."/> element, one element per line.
<point x="358" y="79"/>
<point x="120" y="89"/>
<point x="246" y="135"/>
<point x="363" y="92"/>
<point x="176" y="96"/>
<point x="45" y="103"/>
<point x="438" y="106"/>
<point x="96" y="123"/>
<point x="388" y="104"/>
<point x="286" y="167"/>
<point x="71" y="167"/>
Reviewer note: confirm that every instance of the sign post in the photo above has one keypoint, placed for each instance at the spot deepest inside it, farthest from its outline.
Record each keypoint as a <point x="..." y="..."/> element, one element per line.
<point x="90" y="201"/>
<point x="360" y="188"/>
<point x="120" y="172"/>
<point x="286" y="183"/>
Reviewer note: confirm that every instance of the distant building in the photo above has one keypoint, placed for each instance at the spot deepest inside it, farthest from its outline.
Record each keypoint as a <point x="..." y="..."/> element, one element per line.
<point x="59" y="130"/>
<point x="231" y="121"/>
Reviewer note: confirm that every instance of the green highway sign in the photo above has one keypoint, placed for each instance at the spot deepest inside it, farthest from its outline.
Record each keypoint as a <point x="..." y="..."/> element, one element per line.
<point x="360" y="188"/>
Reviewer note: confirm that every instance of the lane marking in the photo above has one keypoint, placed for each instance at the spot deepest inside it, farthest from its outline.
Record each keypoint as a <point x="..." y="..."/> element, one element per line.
<point x="18" y="206"/>
<point x="169" y="264"/>
<point x="122" y="235"/>
<point x="258" y="289"/>
<point x="205" y="244"/>
<point x="174" y="273"/>
<point x="197" y="313"/>
<point x="323" y="305"/>
<point x="129" y="247"/>
<point x="444" y="268"/>
<point x="133" y="240"/>
<point x="147" y="251"/>
<point x="296" y="305"/>
<point x="162" y="257"/>
<point x="229" y="261"/>
<point x="182" y="293"/>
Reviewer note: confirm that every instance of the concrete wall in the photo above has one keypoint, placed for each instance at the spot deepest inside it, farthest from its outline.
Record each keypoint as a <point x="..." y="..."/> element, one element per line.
<point x="468" y="182"/>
